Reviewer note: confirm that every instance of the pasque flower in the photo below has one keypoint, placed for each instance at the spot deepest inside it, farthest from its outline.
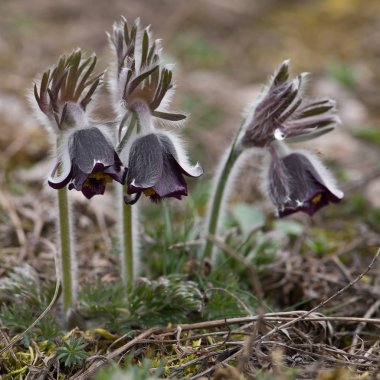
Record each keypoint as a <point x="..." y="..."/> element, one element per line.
<point x="298" y="181"/>
<point x="157" y="164"/>
<point x="142" y="88"/>
<point x="294" y="181"/>
<point x="281" y="112"/>
<point x="88" y="162"/>
<point x="85" y="158"/>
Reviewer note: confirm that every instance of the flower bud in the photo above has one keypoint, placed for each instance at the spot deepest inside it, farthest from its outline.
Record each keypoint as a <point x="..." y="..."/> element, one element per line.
<point x="282" y="112"/>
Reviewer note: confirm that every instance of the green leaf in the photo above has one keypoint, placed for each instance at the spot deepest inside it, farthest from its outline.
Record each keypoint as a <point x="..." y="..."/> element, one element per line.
<point x="316" y="108"/>
<point x="282" y="73"/>
<point x="156" y="58"/>
<point x="154" y="79"/>
<point x="71" y="352"/>
<point x="83" y="83"/>
<point x="126" y="32"/>
<point x="169" y="116"/>
<point x="163" y="86"/>
<point x="141" y="77"/>
<point x="36" y="95"/>
<point x="59" y="70"/>
<point x="310" y="136"/>
<point x="289" y="227"/>
<point x="72" y="77"/>
<point x="151" y="52"/>
<point x="44" y="82"/>
<point x="248" y="217"/>
<point x="90" y="92"/>
<point x="145" y="48"/>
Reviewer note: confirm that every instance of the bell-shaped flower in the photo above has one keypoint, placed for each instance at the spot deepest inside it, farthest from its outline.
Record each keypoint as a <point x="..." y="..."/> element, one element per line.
<point x="298" y="181"/>
<point x="281" y="112"/>
<point x="87" y="162"/>
<point x="157" y="165"/>
<point x="142" y="89"/>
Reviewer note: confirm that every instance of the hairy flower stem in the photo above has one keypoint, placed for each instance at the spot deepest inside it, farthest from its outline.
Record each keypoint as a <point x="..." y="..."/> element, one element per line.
<point x="67" y="264"/>
<point x="219" y="192"/>
<point x="128" y="266"/>
<point x="128" y="216"/>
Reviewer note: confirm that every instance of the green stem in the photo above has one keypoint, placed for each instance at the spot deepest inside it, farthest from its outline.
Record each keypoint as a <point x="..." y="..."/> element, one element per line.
<point x="67" y="270"/>
<point x="168" y="237"/>
<point x="127" y="215"/>
<point x="216" y="200"/>
<point x="128" y="265"/>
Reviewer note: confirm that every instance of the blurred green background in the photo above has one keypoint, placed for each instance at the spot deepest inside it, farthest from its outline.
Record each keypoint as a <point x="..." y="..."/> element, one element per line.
<point x="224" y="50"/>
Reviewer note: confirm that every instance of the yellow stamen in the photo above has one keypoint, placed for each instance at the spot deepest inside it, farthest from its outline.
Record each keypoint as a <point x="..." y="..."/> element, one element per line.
<point x="316" y="199"/>
<point x="99" y="176"/>
<point x="149" y="192"/>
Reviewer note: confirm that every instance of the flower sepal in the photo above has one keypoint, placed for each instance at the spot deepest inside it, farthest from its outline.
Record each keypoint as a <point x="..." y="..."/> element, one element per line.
<point x="88" y="163"/>
<point x="298" y="181"/>
<point x="157" y="165"/>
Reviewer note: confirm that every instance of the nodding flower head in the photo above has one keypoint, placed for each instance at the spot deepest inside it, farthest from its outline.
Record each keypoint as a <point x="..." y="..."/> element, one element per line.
<point x="87" y="163"/>
<point x="142" y="88"/>
<point x="139" y="74"/>
<point x="298" y="181"/>
<point x="281" y="112"/>
<point x="65" y="91"/>
<point x="157" y="165"/>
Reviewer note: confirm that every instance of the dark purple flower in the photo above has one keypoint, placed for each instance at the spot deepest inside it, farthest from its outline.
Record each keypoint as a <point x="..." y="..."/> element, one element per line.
<point x="299" y="182"/>
<point x="88" y="163"/>
<point x="281" y="112"/>
<point x="157" y="165"/>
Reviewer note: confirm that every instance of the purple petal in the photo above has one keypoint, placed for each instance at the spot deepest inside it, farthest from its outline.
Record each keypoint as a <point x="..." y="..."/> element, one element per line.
<point x="88" y="147"/>
<point x="178" y="153"/>
<point x="307" y="191"/>
<point x="145" y="163"/>
<point x="78" y="179"/>
<point x="132" y="199"/>
<point x="311" y="206"/>
<point x="278" y="180"/>
<point x="171" y="183"/>
<point x="89" y="152"/>
<point x="117" y="171"/>
<point x="61" y="180"/>
<point x="93" y="187"/>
